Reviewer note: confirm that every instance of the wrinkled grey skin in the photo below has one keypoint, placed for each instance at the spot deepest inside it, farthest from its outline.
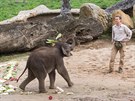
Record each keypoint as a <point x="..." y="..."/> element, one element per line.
<point x="46" y="60"/>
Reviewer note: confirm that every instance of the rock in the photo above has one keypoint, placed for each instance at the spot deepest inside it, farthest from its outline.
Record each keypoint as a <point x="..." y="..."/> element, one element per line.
<point x="125" y="18"/>
<point x="134" y="13"/>
<point x="92" y="10"/>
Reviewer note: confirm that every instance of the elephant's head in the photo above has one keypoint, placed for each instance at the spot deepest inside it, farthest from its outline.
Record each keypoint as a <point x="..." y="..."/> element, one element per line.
<point x="64" y="48"/>
<point x="69" y="39"/>
<point x="71" y="42"/>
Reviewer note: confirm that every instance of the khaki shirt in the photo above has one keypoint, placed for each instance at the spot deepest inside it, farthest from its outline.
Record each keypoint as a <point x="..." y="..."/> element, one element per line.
<point x="121" y="33"/>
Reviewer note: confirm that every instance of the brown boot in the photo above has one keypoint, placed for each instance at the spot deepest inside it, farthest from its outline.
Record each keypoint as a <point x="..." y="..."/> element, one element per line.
<point x="110" y="70"/>
<point x="120" y="70"/>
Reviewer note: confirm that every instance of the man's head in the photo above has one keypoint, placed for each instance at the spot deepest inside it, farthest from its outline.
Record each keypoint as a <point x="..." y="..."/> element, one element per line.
<point x="117" y="20"/>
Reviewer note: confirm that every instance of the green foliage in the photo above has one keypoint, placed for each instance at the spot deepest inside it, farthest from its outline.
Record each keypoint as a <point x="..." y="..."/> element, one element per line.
<point x="10" y="8"/>
<point x="102" y="3"/>
<point x="53" y="41"/>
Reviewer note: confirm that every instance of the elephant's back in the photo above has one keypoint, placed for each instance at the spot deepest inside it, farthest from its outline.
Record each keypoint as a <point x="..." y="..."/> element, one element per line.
<point x="44" y="56"/>
<point x="45" y="53"/>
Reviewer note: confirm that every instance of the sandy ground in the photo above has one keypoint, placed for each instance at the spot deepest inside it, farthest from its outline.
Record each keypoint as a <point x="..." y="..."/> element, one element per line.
<point x="88" y="69"/>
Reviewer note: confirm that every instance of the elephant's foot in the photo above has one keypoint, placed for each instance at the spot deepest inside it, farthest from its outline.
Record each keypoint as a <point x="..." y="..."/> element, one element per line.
<point x="42" y="91"/>
<point x="22" y="87"/>
<point x="52" y="87"/>
<point x="71" y="84"/>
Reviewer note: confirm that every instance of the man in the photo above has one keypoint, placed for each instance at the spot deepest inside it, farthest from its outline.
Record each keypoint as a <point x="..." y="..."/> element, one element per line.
<point x="120" y="35"/>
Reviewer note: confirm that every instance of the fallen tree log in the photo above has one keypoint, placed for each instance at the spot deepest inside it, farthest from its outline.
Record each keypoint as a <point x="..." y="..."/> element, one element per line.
<point x="18" y="37"/>
<point x="83" y="30"/>
<point x="124" y="5"/>
<point x="25" y="36"/>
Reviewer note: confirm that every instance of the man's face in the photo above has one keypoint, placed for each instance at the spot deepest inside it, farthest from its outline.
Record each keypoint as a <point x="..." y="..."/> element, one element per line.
<point x="117" y="20"/>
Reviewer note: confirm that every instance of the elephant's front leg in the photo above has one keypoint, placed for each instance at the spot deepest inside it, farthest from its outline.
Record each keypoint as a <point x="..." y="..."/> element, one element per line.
<point x="63" y="72"/>
<point x="52" y="79"/>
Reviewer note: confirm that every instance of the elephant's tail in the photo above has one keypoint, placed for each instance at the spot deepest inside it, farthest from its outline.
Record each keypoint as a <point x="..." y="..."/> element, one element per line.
<point x="21" y="74"/>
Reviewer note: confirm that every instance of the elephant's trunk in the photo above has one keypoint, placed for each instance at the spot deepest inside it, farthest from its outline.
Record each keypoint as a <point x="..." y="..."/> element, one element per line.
<point x="71" y="42"/>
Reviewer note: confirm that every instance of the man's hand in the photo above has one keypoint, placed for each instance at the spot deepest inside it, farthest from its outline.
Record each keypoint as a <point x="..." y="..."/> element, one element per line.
<point x="126" y="39"/>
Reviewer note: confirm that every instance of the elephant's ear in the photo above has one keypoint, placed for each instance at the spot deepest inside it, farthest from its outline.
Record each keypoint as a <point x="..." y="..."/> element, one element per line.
<point x="64" y="51"/>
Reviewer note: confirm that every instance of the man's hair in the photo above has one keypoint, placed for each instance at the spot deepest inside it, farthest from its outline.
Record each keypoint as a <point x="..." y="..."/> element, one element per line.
<point x="119" y="17"/>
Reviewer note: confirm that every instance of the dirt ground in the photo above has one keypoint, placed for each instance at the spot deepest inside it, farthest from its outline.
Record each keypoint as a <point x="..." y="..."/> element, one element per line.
<point x="88" y="69"/>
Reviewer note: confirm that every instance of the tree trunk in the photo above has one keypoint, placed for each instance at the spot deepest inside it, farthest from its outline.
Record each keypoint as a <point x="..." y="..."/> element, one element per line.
<point x="65" y="9"/>
<point x="18" y="37"/>
<point x="125" y="5"/>
<point x="83" y="30"/>
<point x="25" y="36"/>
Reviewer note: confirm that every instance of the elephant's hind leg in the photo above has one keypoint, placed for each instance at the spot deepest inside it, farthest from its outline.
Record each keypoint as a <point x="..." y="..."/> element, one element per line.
<point x="27" y="80"/>
<point x="41" y="77"/>
<point x="52" y="79"/>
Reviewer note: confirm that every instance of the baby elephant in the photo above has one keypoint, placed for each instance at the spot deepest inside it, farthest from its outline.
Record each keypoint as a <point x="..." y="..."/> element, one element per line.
<point x="45" y="60"/>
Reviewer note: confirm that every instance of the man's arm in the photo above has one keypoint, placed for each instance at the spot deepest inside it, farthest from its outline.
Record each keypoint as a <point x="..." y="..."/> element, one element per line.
<point x="112" y="35"/>
<point x="128" y="32"/>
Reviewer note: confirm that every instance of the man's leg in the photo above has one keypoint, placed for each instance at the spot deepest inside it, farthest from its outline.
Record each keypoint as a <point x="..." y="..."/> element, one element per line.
<point x="112" y="60"/>
<point x="122" y="54"/>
